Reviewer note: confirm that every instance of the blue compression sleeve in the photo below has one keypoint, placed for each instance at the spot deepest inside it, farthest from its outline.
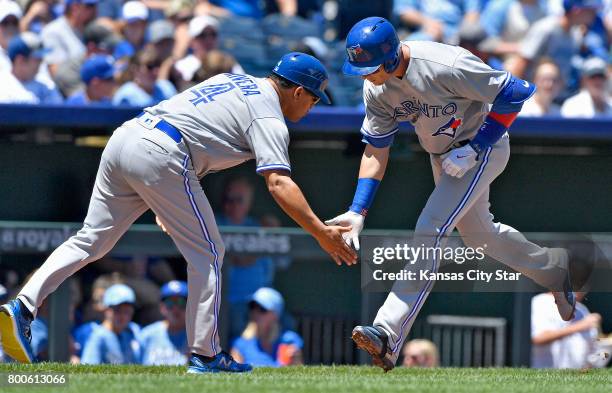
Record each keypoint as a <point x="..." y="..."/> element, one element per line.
<point x="364" y="195"/>
<point x="489" y="133"/>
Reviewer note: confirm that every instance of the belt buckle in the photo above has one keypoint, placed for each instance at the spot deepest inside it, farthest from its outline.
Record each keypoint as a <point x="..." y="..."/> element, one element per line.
<point x="148" y="120"/>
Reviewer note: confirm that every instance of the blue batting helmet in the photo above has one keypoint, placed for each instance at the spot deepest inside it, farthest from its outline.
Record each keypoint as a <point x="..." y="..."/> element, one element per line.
<point x="306" y="71"/>
<point x="372" y="42"/>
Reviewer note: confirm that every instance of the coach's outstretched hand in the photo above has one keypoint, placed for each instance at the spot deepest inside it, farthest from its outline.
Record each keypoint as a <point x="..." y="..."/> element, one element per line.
<point x="352" y="220"/>
<point x="290" y="198"/>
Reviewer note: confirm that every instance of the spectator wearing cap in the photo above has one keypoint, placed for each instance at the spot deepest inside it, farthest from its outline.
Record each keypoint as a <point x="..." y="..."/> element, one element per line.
<point x="134" y="16"/>
<point x="594" y="99"/>
<point x="144" y="87"/>
<point x="263" y="343"/>
<point x="98" y="74"/>
<point x="165" y="342"/>
<point x="64" y="36"/>
<point x="10" y="14"/>
<point x="99" y="40"/>
<point x="555" y="37"/>
<point x="18" y="85"/>
<point x="203" y="32"/>
<point x="180" y="13"/>
<point x="548" y="80"/>
<point x="116" y="339"/>
<point x="161" y="36"/>
<point x="436" y="20"/>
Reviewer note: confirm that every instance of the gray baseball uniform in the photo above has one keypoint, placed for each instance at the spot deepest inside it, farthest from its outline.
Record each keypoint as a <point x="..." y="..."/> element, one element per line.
<point x="223" y="122"/>
<point x="446" y="94"/>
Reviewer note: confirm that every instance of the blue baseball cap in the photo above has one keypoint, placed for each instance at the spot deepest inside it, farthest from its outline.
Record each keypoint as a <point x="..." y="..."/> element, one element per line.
<point x="26" y="44"/>
<point x="98" y="66"/>
<point x="134" y="11"/>
<point x="118" y="294"/>
<point x="269" y="299"/>
<point x="174" y="288"/>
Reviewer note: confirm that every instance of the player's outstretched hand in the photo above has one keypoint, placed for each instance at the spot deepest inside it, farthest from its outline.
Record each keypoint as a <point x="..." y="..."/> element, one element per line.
<point x="460" y="160"/>
<point x="332" y="241"/>
<point x="352" y="219"/>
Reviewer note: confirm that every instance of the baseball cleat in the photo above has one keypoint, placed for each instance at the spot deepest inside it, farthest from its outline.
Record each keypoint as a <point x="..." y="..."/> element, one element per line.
<point x="222" y="362"/>
<point x="374" y="341"/>
<point x="566" y="300"/>
<point x="15" y="331"/>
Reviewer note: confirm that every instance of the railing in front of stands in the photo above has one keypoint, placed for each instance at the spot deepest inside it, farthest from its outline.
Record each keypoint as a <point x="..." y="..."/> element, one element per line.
<point x="319" y="120"/>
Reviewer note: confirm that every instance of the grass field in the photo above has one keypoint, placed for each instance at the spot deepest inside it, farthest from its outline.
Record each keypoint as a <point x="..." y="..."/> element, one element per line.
<point x="353" y="379"/>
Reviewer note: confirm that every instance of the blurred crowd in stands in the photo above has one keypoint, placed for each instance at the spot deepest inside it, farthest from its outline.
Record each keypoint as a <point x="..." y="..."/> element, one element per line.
<point x="132" y="308"/>
<point x="111" y="52"/>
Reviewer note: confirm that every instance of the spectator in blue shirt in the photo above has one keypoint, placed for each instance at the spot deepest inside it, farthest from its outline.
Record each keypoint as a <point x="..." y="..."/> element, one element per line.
<point x="145" y="89"/>
<point x="98" y="74"/>
<point x="116" y="339"/>
<point x="165" y="342"/>
<point x="246" y="273"/>
<point x="19" y="84"/>
<point x="134" y="16"/>
<point x="263" y="343"/>
<point x="436" y="20"/>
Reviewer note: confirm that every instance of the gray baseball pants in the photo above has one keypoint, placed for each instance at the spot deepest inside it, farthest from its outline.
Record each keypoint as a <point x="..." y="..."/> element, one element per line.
<point x="143" y="168"/>
<point x="464" y="203"/>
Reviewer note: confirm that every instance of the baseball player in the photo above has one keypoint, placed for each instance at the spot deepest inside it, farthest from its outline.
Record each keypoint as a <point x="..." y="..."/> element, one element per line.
<point x="461" y="110"/>
<point x="155" y="162"/>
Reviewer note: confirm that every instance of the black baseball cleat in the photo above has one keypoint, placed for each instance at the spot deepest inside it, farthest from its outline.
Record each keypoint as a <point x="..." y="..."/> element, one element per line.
<point x="375" y="342"/>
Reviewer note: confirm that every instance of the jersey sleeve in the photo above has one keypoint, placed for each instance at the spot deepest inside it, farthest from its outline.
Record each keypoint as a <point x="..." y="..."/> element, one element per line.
<point x="268" y="139"/>
<point x="473" y="79"/>
<point x="379" y="127"/>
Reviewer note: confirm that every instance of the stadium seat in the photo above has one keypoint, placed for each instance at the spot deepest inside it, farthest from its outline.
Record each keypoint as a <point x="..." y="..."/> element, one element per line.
<point x="237" y="27"/>
<point x="289" y="27"/>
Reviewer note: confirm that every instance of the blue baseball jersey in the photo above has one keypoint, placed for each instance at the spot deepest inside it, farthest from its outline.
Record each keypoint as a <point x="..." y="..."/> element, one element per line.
<point x="106" y="347"/>
<point x="160" y="347"/>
